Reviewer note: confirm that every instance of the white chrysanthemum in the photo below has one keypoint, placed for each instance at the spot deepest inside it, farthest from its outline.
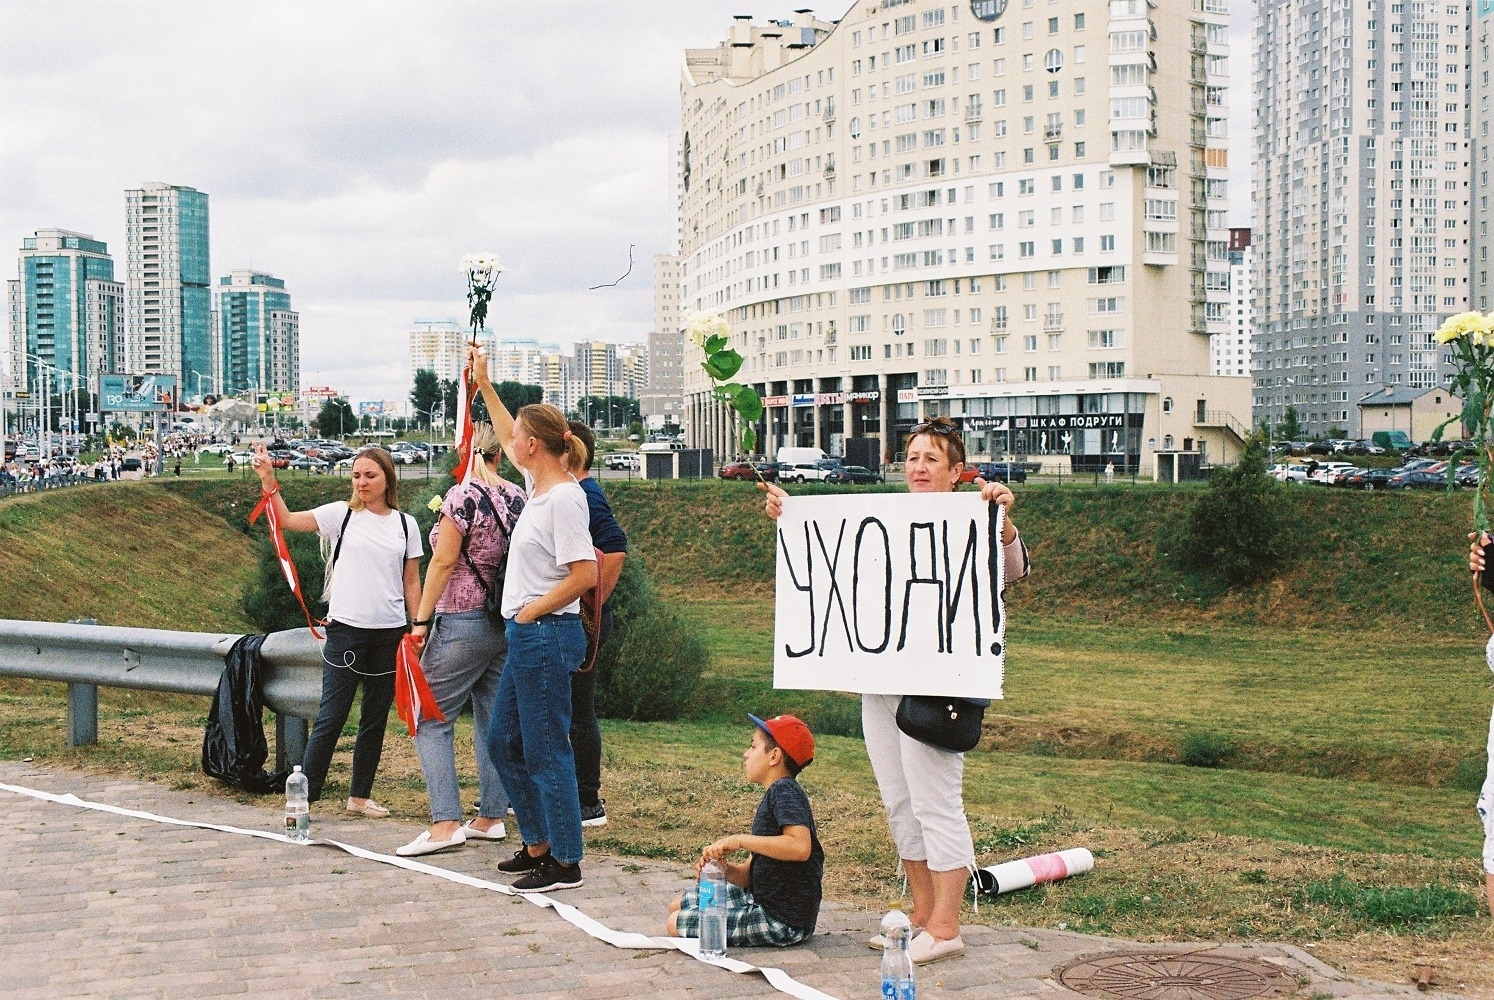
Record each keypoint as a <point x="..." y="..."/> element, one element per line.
<point x="1468" y="324"/>
<point x="486" y="262"/>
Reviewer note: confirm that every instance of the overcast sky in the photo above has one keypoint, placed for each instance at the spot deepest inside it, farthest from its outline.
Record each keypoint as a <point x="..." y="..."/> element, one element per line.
<point x="358" y="150"/>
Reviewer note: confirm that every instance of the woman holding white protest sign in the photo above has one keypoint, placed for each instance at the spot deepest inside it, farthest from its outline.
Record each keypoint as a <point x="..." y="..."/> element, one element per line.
<point x="922" y="785"/>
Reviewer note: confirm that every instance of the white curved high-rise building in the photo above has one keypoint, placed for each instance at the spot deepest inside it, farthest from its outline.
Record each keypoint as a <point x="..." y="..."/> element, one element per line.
<point x="1012" y="212"/>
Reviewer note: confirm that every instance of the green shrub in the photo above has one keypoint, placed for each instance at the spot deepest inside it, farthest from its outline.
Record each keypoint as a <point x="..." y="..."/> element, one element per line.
<point x="1206" y="750"/>
<point x="833" y="714"/>
<point x="650" y="668"/>
<point x="1236" y="532"/>
<point x="267" y="599"/>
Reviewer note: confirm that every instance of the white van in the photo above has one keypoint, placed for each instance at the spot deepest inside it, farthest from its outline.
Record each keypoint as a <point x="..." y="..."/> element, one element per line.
<point x="799" y="456"/>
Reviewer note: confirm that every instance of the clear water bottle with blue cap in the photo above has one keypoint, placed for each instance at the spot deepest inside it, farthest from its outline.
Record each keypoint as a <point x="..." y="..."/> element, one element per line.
<point x="712" y="909"/>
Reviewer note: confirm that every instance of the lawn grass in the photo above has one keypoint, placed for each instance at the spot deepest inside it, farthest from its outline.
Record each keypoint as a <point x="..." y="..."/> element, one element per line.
<point x="1302" y="702"/>
<point x="1334" y="718"/>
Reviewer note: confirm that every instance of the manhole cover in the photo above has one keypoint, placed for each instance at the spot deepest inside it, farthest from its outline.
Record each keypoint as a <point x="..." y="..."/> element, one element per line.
<point x="1159" y="976"/>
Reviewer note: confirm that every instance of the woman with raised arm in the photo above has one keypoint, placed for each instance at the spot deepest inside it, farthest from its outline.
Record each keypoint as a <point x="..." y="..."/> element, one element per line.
<point x="463" y="648"/>
<point x="551" y="564"/>
<point x="921" y="785"/>
<point x="373" y="587"/>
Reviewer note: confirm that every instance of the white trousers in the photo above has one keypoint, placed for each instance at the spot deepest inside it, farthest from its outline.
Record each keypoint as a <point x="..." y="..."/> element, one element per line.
<point x="1486" y="796"/>
<point x="921" y="789"/>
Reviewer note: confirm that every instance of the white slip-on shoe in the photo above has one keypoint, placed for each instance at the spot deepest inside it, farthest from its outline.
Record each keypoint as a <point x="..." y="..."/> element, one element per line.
<point x="369" y="808"/>
<point x="926" y="948"/>
<point x="423" y="844"/>
<point x="494" y="832"/>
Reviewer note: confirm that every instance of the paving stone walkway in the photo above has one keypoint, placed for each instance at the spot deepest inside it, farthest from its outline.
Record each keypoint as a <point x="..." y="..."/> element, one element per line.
<point x="95" y="905"/>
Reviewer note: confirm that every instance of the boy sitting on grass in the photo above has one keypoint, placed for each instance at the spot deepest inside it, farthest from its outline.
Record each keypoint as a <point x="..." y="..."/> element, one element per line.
<point x="774" y="897"/>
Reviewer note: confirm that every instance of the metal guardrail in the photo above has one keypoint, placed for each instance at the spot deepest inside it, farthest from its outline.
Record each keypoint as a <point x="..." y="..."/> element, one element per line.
<point x="86" y="656"/>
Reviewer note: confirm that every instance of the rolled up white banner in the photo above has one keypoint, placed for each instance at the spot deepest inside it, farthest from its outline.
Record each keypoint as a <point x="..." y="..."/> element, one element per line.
<point x="1013" y="875"/>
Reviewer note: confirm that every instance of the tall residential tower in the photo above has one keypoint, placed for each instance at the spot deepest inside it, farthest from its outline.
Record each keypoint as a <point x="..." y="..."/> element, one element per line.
<point x="66" y="309"/>
<point x="1010" y="213"/>
<point x="1362" y="201"/>
<point x="168" y="283"/>
<point x="259" y="336"/>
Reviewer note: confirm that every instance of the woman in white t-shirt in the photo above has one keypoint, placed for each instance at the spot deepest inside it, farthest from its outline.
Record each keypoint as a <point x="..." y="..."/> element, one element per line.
<point x="374" y="587"/>
<point x="551" y="563"/>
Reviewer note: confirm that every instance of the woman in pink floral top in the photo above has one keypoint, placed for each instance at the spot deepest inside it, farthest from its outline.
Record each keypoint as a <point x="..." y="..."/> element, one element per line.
<point x="464" y="651"/>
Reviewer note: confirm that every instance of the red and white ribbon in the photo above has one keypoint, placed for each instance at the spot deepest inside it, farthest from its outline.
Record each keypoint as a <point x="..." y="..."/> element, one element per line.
<point x="266" y="506"/>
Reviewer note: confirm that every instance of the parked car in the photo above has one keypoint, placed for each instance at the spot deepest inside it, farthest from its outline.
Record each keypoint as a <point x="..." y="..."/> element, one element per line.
<point x="216" y="449"/>
<point x="1340" y="476"/>
<point x="1325" y="472"/>
<point x="309" y="464"/>
<point x="1369" y="479"/>
<point x="1467" y="475"/>
<point x="1417" y="480"/>
<point x="747" y="471"/>
<point x="131" y="468"/>
<point x="853" y="474"/>
<point x="622" y="460"/>
<point x="994" y="472"/>
<point x="1288" y="472"/>
<point x="804" y="472"/>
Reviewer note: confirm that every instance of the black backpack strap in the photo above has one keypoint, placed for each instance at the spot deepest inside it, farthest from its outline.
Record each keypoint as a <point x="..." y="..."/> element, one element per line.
<point x="337" y="550"/>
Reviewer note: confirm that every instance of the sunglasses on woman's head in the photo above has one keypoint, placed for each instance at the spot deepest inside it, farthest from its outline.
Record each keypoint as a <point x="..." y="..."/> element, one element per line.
<point x="932" y="428"/>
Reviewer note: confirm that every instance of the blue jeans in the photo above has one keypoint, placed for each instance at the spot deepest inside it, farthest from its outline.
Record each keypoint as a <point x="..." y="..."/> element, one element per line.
<point x="529" y="738"/>
<point x="463" y="657"/>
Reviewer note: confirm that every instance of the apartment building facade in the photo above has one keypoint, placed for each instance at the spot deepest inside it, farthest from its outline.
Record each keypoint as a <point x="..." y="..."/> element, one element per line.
<point x="1012" y="213"/>
<point x="1363" y="202"/>
<point x="66" y="309"/>
<point x="168" y="282"/>
<point x="259" y="337"/>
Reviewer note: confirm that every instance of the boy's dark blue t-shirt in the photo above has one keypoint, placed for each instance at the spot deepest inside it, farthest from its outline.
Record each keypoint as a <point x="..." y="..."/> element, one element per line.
<point x="788" y="890"/>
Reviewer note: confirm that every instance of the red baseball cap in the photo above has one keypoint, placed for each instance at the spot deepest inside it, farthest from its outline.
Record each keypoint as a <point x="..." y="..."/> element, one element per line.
<point x="792" y="736"/>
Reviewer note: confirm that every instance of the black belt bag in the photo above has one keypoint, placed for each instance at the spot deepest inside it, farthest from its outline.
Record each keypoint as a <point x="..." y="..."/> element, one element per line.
<point x="951" y="724"/>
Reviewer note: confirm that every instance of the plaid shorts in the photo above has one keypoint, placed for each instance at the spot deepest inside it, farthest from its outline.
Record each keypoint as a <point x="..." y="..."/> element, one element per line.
<point x="748" y="925"/>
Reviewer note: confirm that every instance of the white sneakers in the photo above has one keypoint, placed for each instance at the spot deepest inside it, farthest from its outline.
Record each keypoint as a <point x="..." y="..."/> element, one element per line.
<point x="423" y="844"/>
<point x="494" y="832"/>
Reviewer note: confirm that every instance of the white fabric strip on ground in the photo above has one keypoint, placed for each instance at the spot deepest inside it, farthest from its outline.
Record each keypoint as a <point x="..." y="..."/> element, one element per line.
<point x="777" y="978"/>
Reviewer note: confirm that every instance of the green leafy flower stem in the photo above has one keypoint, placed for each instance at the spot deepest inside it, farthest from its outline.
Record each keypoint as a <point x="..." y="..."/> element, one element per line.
<point x="482" y="270"/>
<point x="1471" y="336"/>
<point x="710" y="333"/>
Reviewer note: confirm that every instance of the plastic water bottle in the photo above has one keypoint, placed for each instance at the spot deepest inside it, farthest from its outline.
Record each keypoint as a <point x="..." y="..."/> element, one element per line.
<point x="712" y="909"/>
<point x="297" y="806"/>
<point x="897" y="964"/>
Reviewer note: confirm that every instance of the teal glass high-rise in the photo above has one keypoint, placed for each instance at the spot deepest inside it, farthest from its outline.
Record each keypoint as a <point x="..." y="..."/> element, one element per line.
<point x="258" y="334"/>
<point x="66" y="308"/>
<point x="168" y="277"/>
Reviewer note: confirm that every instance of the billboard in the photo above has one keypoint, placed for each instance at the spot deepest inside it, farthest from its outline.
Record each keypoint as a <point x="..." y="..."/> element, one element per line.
<point x="137" y="393"/>
<point x="371" y="409"/>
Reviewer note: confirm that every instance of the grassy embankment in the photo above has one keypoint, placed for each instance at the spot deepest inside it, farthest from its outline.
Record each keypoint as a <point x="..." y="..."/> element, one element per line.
<point x="1333" y="718"/>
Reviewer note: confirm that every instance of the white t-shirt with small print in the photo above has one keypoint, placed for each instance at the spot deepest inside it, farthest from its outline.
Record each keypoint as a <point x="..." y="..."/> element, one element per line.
<point x="368" y="581"/>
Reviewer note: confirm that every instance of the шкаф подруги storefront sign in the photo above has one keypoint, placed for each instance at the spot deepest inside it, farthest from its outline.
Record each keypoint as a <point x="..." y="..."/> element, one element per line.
<point x="1074" y="434"/>
<point x="1054" y="422"/>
